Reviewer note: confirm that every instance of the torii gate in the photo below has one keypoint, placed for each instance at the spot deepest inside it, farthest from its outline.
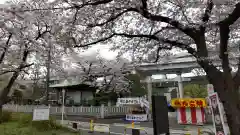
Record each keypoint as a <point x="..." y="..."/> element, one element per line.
<point x="178" y="64"/>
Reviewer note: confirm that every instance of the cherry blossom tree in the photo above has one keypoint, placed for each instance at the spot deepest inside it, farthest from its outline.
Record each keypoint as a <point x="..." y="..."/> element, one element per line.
<point x="107" y="75"/>
<point x="22" y="36"/>
<point x="147" y="27"/>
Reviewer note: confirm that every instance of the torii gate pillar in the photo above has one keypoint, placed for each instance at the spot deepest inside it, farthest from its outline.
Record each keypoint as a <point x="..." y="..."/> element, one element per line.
<point x="180" y="85"/>
<point x="149" y="88"/>
<point x="149" y="93"/>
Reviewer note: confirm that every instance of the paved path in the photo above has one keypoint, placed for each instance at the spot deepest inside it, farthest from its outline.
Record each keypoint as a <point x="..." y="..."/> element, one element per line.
<point x="118" y="129"/>
<point x="172" y="121"/>
<point x="117" y="125"/>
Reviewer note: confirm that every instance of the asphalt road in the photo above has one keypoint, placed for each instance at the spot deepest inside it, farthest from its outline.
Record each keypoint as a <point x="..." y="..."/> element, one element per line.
<point x="117" y="126"/>
<point x="118" y="129"/>
<point x="172" y="121"/>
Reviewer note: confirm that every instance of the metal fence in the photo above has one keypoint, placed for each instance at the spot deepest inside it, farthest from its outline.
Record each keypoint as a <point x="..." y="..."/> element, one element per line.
<point x="98" y="111"/>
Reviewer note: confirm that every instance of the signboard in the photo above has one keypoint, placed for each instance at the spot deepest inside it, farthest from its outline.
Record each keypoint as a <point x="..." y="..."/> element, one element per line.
<point x="188" y="102"/>
<point x="128" y="101"/>
<point x="210" y="89"/>
<point x="217" y="115"/>
<point x="136" y="117"/>
<point x="40" y="114"/>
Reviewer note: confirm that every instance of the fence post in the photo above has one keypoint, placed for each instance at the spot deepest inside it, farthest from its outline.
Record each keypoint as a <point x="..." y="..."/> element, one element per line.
<point x="73" y="110"/>
<point x="102" y="111"/>
<point x="56" y="110"/>
<point x="81" y="109"/>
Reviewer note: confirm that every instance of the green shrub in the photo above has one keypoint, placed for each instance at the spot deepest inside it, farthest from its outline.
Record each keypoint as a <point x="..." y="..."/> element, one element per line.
<point x="26" y="120"/>
<point x="5" y="117"/>
<point x="46" y="125"/>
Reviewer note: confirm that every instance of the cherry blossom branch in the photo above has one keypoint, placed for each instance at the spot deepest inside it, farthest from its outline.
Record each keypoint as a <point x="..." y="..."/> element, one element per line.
<point x="152" y="37"/>
<point x="21" y="69"/>
<point x="5" y="48"/>
<point x="98" y="2"/>
<point x="233" y="17"/>
<point x="208" y="11"/>
<point x="184" y="28"/>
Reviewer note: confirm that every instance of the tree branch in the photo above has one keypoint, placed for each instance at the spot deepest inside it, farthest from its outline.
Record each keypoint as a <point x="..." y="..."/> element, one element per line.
<point x="152" y="37"/>
<point x="224" y="36"/>
<point x="224" y="24"/>
<point x="163" y="40"/>
<point x="5" y="48"/>
<point x="112" y="18"/>
<point x="95" y="42"/>
<point x="181" y="7"/>
<point x="236" y="78"/>
<point x="208" y="11"/>
<point x="97" y="2"/>
<point x="158" y="51"/>
<point x="21" y="69"/>
<point x="142" y="10"/>
<point x="233" y="17"/>
<point x="75" y="16"/>
<point x="6" y="90"/>
<point x="144" y="5"/>
<point x="187" y="30"/>
<point x="40" y="35"/>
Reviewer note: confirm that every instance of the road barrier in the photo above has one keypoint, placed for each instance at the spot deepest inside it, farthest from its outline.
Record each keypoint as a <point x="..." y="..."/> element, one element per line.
<point x="75" y="124"/>
<point x="101" y="128"/>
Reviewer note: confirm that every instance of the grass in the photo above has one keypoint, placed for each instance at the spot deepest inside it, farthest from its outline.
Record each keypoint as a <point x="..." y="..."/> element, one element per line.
<point x="21" y="124"/>
<point x="12" y="128"/>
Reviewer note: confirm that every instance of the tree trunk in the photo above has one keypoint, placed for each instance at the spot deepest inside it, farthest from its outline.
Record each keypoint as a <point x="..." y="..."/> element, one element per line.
<point x="232" y="110"/>
<point x="231" y="102"/>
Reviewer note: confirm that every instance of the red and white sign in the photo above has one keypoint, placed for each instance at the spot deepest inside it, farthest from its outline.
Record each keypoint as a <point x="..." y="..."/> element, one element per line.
<point x="217" y="115"/>
<point x="195" y="116"/>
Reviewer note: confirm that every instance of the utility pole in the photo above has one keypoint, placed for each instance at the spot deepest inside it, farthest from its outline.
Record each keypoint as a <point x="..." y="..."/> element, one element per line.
<point x="48" y="63"/>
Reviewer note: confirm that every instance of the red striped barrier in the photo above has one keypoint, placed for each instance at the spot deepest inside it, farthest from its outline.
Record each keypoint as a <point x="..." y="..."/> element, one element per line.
<point x="195" y="116"/>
